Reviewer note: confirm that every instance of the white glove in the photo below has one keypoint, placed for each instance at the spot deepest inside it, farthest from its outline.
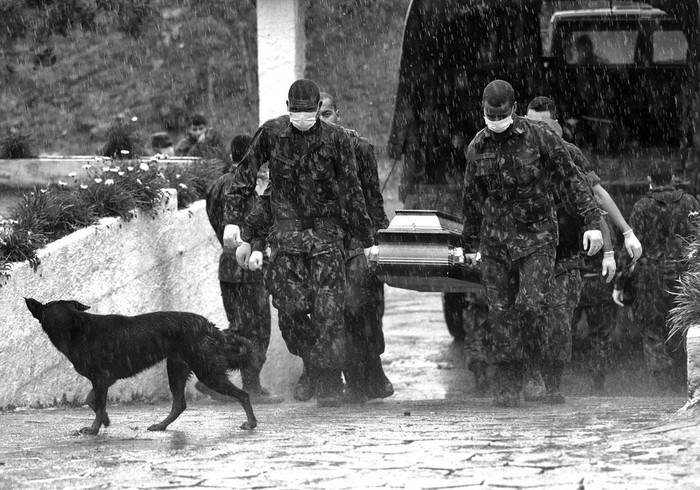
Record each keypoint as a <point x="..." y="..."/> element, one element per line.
<point x="592" y="241"/>
<point x="232" y="236"/>
<point x="618" y="297"/>
<point x="472" y="259"/>
<point x="243" y="254"/>
<point x="256" y="260"/>
<point x="632" y="245"/>
<point x="609" y="266"/>
<point x="366" y="251"/>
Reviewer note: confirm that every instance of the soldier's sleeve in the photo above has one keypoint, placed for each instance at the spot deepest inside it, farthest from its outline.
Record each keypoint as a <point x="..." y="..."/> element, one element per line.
<point x="369" y="179"/>
<point x="360" y="224"/>
<point x="577" y="190"/>
<point x="244" y="178"/>
<point x="258" y="222"/>
<point x="473" y="198"/>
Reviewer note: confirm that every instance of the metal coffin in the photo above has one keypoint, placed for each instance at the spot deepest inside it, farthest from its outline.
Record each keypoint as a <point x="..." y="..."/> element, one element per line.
<point x="421" y="250"/>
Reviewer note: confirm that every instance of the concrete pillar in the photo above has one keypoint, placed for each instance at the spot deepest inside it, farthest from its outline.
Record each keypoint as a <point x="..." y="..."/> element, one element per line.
<point x="693" y="350"/>
<point x="281" y="53"/>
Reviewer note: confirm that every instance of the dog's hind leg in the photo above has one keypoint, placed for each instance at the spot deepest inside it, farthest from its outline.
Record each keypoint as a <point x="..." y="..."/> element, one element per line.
<point x="90" y="401"/>
<point x="99" y="400"/>
<point x="223" y="385"/>
<point x="178" y="373"/>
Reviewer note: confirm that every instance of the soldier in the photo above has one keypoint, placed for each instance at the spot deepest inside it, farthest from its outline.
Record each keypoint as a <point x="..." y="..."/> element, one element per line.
<point x="315" y="199"/>
<point x="201" y="140"/>
<point x="509" y="221"/>
<point x="364" y="293"/>
<point x="245" y="297"/>
<point x="595" y="297"/>
<point x="567" y="282"/>
<point x="662" y="220"/>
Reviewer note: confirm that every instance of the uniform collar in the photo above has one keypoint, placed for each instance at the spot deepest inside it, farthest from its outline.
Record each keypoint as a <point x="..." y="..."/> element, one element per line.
<point x="516" y="128"/>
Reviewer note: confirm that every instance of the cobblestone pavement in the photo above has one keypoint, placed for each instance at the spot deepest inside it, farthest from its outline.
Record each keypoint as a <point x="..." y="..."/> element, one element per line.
<point x="431" y="434"/>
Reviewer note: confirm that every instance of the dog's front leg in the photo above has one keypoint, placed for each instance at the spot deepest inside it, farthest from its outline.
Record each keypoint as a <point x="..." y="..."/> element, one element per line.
<point x="99" y="398"/>
<point x="90" y="401"/>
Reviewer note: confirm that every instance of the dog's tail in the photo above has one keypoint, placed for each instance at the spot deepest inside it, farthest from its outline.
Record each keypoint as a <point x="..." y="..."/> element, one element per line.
<point x="237" y="357"/>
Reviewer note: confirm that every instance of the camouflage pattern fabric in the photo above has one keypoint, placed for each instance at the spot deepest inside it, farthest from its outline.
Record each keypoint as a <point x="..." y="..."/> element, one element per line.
<point x="475" y="318"/>
<point x="517" y="296"/>
<point x="660" y="221"/>
<point x="508" y="197"/>
<point x="563" y="298"/>
<point x="308" y="289"/>
<point x="312" y="175"/>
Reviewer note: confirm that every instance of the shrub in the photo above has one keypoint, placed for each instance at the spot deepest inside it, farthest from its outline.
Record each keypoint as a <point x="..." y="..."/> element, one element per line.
<point x="113" y="189"/>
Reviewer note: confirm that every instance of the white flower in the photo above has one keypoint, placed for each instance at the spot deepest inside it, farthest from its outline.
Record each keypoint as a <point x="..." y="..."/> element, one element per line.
<point x="72" y="174"/>
<point x="87" y="165"/>
<point x="83" y="186"/>
<point x="134" y="119"/>
<point x="139" y="181"/>
<point x="177" y="176"/>
<point x="130" y="168"/>
<point x="114" y="169"/>
<point x="124" y="152"/>
<point x="183" y="186"/>
<point x="98" y="180"/>
<point x="109" y="182"/>
<point x="105" y="169"/>
<point x="144" y="167"/>
<point x="120" y="174"/>
<point x="61" y="183"/>
<point x="44" y="190"/>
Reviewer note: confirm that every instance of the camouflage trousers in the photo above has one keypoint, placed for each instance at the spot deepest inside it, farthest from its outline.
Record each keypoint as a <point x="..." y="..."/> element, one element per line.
<point x="471" y="311"/>
<point x="518" y="304"/>
<point x="247" y="306"/>
<point x="364" y="309"/>
<point x="308" y="289"/>
<point x="563" y="298"/>
<point x="650" y="308"/>
<point x="601" y="316"/>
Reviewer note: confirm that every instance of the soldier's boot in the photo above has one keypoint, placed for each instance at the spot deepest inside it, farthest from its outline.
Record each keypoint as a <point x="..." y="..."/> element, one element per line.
<point x="377" y="385"/>
<point x="355" y="385"/>
<point x="481" y="379"/>
<point x="535" y="389"/>
<point x="329" y="388"/>
<point x="306" y="386"/>
<point x="509" y="384"/>
<point x="551" y="373"/>
<point x="258" y="394"/>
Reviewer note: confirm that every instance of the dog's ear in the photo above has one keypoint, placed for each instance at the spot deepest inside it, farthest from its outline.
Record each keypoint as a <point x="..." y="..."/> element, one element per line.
<point x="79" y="306"/>
<point x="34" y="307"/>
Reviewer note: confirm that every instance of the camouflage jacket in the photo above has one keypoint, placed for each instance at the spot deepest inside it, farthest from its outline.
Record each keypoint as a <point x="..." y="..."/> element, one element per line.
<point x="661" y="222"/>
<point x="313" y="183"/>
<point x="259" y="221"/>
<point x="508" y="201"/>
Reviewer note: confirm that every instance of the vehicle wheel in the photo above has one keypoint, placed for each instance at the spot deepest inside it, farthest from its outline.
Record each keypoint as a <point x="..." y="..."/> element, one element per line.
<point x="453" y="310"/>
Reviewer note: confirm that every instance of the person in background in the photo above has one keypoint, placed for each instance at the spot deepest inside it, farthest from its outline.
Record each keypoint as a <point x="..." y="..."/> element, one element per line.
<point x="513" y="166"/>
<point x="662" y="219"/>
<point x="201" y="141"/>
<point x="364" y="293"/>
<point x="245" y="297"/>
<point x="315" y="201"/>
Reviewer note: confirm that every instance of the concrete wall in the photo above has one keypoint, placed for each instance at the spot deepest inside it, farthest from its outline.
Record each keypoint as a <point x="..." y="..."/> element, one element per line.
<point x="166" y="260"/>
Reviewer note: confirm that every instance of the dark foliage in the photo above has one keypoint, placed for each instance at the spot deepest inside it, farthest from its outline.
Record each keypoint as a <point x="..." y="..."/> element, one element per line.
<point x="16" y="144"/>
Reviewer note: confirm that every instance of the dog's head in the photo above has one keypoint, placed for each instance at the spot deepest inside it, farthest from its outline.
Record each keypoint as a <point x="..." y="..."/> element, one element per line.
<point x="54" y="310"/>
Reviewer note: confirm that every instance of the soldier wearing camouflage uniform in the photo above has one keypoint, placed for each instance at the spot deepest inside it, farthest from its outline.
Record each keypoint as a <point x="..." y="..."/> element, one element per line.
<point x="245" y="297"/>
<point x="510" y="220"/>
<point x="661" y="218"/>
<point x="315" y="199"/>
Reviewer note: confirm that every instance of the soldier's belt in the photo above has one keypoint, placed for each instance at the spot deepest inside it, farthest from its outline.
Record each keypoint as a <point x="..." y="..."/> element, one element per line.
<point x="306" y="224"/>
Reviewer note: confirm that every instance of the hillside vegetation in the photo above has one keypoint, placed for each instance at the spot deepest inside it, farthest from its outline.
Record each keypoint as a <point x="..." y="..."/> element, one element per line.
<point x="198" y="56"/>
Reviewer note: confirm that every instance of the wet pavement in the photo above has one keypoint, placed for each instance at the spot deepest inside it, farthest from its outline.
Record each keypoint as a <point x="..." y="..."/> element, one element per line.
<point x="433" y="433"/>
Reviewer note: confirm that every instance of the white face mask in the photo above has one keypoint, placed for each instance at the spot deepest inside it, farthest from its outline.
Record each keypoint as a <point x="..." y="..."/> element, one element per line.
<point x="303" y="121"/>
<point x="500" y="125"/>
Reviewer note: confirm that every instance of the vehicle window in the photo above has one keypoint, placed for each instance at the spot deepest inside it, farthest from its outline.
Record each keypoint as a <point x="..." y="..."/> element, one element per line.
<point x="609" y="47"/>
<point x="669" y="47"/>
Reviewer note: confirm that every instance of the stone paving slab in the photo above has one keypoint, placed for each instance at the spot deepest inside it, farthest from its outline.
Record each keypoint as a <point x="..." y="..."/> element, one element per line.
<point x="606" y="443"/>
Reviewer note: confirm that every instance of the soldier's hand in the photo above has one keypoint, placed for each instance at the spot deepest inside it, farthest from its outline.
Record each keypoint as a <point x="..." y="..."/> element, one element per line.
<point x="232" y="236"/>
<point x="256" y="260"/>
<point x="472" y="259"/>
<point x="618" y="297"/>
<point x="592" y="241"/>
<point x="632" y="245"/>
<point x="243" y="254"/>
<point x="609" y="266"/>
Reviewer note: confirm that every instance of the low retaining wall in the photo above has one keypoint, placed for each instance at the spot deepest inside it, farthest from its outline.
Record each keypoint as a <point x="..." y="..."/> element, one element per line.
<point x="164" y="260"/>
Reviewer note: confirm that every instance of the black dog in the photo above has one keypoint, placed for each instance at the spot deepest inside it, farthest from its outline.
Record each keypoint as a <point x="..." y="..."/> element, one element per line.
<point x="105" y="348"/>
